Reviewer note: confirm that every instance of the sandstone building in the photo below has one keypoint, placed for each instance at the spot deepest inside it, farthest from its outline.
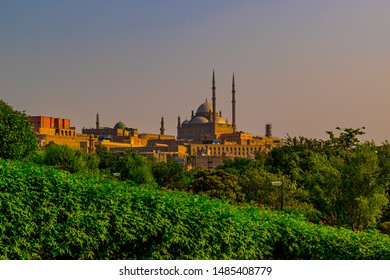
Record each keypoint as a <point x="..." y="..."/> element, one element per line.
<point x="210" y="138"/>
<point x="59" y="131"/>
<point x="207" y="123"/>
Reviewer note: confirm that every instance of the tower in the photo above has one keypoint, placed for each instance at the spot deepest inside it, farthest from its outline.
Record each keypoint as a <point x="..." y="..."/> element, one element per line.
<point x="162" y="129"/>
<point x="97" y="124"/>
<point x="97" y="121"/>
<point x="214" y="99"/>
<point x="233" y="105"/>
<point x="268" y="130"/>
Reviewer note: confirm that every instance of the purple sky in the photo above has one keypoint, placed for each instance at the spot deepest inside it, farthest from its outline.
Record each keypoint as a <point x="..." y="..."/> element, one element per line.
<point x="305" y="66"/>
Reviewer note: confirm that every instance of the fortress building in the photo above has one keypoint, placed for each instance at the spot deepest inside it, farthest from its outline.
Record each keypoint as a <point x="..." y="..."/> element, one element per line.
<point x="59" y="131"/>
<point x="207" y="124"/>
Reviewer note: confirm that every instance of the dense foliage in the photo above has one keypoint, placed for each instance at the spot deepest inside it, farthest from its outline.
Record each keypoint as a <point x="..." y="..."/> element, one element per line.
<point x="347" y="181"/>
<point x="67" y="158"/>
<point x="338" y="181"/>
<point x="46" y="213"/>
<point x="17" y="138"/>
<point x="131" y="166"/>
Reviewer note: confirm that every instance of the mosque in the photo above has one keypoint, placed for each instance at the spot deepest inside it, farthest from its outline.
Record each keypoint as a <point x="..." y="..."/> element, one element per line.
<point x="211" y="138"/>
<point x="206" y="124"/>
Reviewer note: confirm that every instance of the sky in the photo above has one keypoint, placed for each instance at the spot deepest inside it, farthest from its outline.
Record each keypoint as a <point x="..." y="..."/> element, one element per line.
<point x="305" y="66"/>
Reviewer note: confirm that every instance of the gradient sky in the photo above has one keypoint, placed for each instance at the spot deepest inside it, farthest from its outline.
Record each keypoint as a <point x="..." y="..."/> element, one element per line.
<point x="305" y="66"/>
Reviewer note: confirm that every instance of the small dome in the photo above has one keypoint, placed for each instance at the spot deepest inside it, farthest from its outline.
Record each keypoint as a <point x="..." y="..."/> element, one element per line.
<point x="204" y="108"/>
<point x="219" y="119"/>
<point x="185" y="122"/>
<point x="120" y="125"/>
<point x="199" y="119"/>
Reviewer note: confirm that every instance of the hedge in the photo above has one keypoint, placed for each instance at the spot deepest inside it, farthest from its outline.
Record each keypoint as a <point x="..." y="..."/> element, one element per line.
<point x="51" y="214"/>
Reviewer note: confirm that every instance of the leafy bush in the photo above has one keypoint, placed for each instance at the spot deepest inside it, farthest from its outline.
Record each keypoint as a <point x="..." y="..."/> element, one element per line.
<point x="108" y="162"/>
<point x="168" y="175"/>
<point x="17" y="138"/>
<point x="343" y="177"/>
<point x="136" y="168"/>
<point x="385" y="227"/>
<point x="64" y="157"/>
<point x="216" y="184"/>
<point x="46" y="213"/>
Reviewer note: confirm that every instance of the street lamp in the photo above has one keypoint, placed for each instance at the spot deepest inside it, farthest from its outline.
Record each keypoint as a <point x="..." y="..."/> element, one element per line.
<point x="280" y="183"/>
<point x="117" y="174"/>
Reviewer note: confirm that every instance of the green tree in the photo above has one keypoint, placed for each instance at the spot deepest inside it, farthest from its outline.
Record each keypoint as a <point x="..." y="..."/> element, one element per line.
<point x="383" y="153"/>
<point x="169" y="174"/>
<point x="64" y="157"/>
<point x="346" y="140"/>
<point x="323" y="182"/>
<point x="363" y="194"/>
<point x="17" y="138"/>
<point x="217" y="184"/>
<point x="92" y="161"/>
<point x="256" y="185"/>
<point x="136" y="168"/>
<point x="346" y="179"/>
<point x="237" y="166"/>
<point x="347" y="186"/>
<point x="108" y="162"/>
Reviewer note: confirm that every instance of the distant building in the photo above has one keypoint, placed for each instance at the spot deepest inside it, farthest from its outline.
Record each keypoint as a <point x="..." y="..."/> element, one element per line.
<point x="120" y="138"/>
<point x="58" y="131"/>
<point x="119" y="133"/>
<point x="52" y="126"/>
<point x="211" y="138"/>
<point x="207" y="123"/>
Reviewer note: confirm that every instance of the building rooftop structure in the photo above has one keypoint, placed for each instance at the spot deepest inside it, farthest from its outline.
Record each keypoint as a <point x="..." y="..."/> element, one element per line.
<point x="59" y="131"/>
<point x="210" y="135"/>
<point x="207" y="123"/>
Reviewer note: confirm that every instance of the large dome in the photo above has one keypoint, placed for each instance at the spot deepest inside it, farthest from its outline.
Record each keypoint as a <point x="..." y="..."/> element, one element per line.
<point x="199" y="119"/>
<point x="120" y="125"/>
<point x="204" y="108"/>
<point x="219" y="119"/>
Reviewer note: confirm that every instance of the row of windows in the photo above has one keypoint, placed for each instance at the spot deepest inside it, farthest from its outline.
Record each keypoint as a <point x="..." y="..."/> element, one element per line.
<point x="47" y="125"/>
<point x="226" y="149"/>
<point x="66" y="133"/>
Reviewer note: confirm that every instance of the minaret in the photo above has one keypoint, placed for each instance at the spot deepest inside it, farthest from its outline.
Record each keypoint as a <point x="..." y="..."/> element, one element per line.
<point x="233" y="105"/>
<point x="214" y="99"/>
<point x="97" y="121"/>
<point x="162" y="129"/>
<point x="178" y="127"/>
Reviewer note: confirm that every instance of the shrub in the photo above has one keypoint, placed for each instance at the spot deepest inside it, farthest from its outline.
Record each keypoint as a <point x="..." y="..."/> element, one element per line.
<point x="17" y="138"/>
<point x="64" y="157"/>
<point x="50" y="214"/>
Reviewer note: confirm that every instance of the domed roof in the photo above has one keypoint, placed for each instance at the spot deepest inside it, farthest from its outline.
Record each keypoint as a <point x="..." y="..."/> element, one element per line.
<point x="219" y="119"/>
<point x="199" y="119"/>
<point x="120" y="125"/>
<point x="186" y="122"/>
<point x="204" y="108"/>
